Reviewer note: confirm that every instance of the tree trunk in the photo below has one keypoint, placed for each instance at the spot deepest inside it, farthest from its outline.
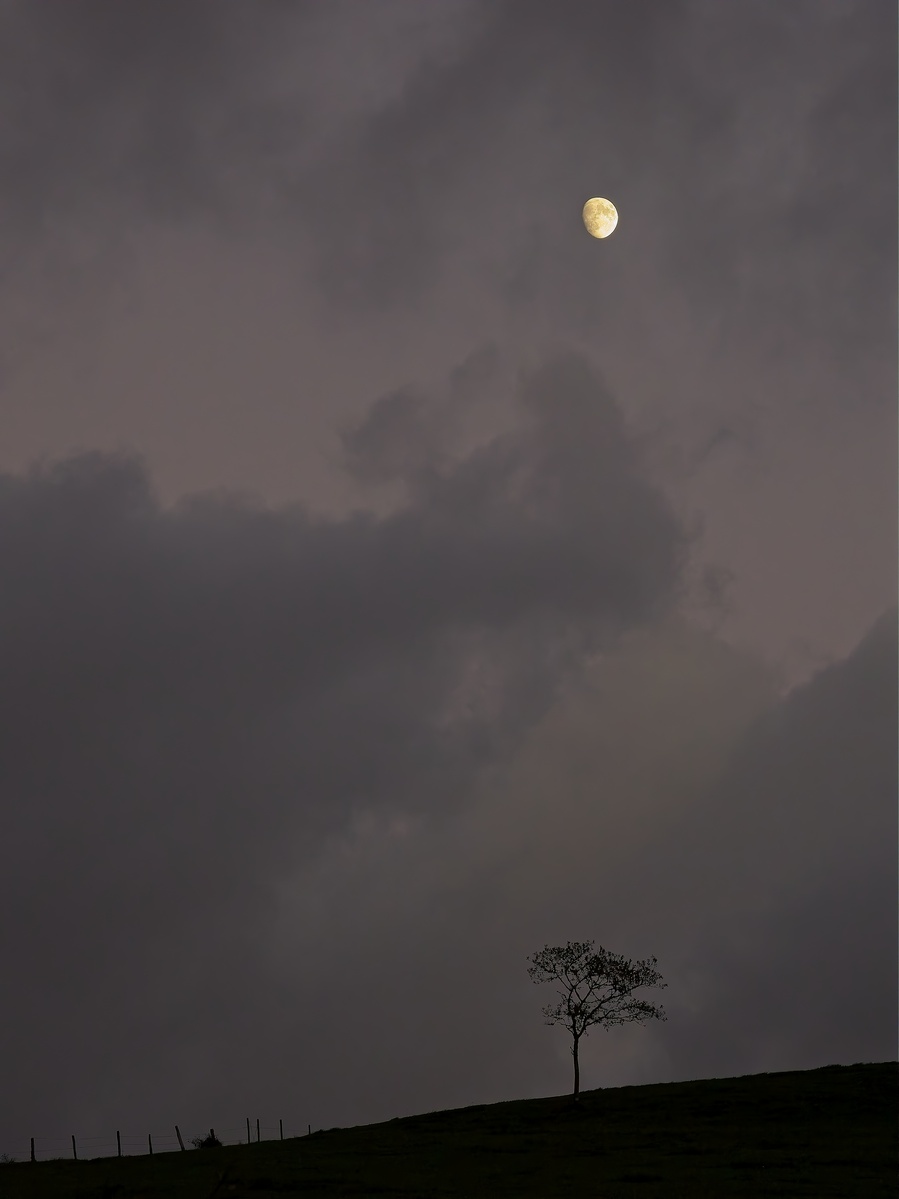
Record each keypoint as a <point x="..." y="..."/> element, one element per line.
<point x="577" y="1069"/>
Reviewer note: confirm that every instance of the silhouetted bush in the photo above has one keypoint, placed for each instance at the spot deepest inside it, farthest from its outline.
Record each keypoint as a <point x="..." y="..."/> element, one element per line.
<point x="208" y="1142"/>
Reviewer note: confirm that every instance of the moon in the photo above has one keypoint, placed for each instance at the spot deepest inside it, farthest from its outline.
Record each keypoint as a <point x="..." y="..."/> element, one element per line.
<point x="600" y="217"/>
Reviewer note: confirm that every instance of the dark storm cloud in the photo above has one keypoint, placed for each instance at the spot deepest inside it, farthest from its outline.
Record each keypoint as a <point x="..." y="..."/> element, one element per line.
<point x="797" y="842"/>
<point x="388" y="203"/>
<point x="675" y="808"/>
<point x="119" y="117"/>
<point x="167" y="111"/>
<point x="753" y="149"/>
<point x="405" y="434"/>
<point x="785" y="136"/>
<point x="155" y="106"/>
<point x="193" y="700"/>
<point x="230" y="735"/>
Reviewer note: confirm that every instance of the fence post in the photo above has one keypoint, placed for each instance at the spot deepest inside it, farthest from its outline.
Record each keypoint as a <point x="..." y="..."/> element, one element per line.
<point x="309" y="1130"/>
<point x="281" y="1129"/>
<point x="118" y="1142"/>
<point x="33" y="1158"/>
<point x="248" y="1130"/>
<point x="178" y="1135"/>
<point x="257" y="1130"/>
<point x="150" y="1140"/>
<point x="74" y="1150"/>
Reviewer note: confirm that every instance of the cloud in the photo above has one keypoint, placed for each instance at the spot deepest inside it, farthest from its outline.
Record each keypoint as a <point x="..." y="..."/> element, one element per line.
<point x="196" y="700"/>
<point x="293" y="800"/>
<point x="799" y="952"/>
<point x="265" y="770"/>
<point x="769" y="171"/>
<point x="465" y="142"/>
<point x="153" y="105"/>
<point x="405" y="433"/>
<point x="669" y="803"/>
<point x="180" y="113"/>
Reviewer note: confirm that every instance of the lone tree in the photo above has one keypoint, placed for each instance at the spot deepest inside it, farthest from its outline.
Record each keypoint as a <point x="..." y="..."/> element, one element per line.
<point x="593" y="988"/>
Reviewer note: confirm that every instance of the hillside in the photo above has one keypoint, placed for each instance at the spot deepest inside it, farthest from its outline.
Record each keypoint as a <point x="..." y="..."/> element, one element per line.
<point x="827" y="1132"/>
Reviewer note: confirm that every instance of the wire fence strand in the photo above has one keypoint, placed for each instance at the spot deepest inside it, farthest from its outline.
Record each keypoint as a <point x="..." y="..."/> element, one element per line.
<point x="141" y="1144"/>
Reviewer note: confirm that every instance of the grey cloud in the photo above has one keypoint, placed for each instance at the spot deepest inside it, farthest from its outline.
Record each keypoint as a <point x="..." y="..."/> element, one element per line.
<point x="669" y="805"/>
<point x="783" y="208"/>
<point x="195" y="700"/>
<point x="428" y="163"/>
<point x="390" y="440"/>
<point x="406" y="433"/>
<point x="797" y="844"/>
<point x="154" y="105"/>
<point x="735" y="143"/>
<point x="255" y="763"/>
<point x="749" y="150"/>
<point x="122" y="118"/>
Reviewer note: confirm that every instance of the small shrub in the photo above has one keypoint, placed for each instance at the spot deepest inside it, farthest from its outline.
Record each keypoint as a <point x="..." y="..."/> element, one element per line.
<point x="208" y="1142"/>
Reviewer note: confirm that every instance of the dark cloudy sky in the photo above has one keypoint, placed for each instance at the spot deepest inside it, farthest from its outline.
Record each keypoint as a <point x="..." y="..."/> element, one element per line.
<point x="394" y="579"/>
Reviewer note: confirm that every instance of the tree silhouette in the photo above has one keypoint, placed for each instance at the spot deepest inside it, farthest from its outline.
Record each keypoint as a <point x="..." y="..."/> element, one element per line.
<point x="594" y="987"/>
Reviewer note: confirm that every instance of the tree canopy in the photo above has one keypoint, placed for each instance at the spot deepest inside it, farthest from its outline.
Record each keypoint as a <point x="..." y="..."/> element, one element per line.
<point x="594" y="987"/>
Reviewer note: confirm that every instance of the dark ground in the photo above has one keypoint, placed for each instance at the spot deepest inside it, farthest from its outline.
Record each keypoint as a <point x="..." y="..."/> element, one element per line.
<point x="818" y="1133"/>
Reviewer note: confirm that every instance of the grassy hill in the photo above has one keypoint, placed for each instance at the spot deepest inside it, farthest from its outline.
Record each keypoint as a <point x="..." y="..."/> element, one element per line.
<point x="820" y="1133"/>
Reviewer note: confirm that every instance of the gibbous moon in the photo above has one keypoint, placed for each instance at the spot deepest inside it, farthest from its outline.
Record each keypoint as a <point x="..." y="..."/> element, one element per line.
<point x="600" y="217"/>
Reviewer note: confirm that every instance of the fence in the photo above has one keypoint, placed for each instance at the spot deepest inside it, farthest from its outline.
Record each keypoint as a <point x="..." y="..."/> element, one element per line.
<point x="124" y="1144"/>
